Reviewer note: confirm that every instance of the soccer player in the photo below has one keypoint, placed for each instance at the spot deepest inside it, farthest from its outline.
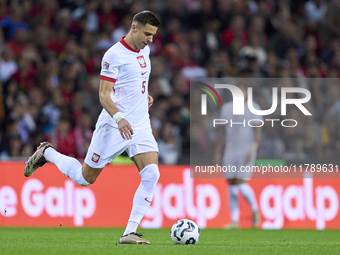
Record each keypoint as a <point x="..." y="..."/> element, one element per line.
<point x="240" y="142"/>
<point x="123" y="125"/>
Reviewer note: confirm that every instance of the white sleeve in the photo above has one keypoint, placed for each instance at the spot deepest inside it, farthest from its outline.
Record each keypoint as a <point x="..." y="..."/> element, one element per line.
<point x="109" y="67"/>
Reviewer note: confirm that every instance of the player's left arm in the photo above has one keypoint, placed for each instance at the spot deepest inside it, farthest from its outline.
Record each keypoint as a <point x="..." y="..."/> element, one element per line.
<point x="255" y="145"/>
<point x="257" y="133"/>
<point x="220" y="145"/>
<point x="124" y="126"/>
<point x="150" y="100"/>
<point x="257" y="138"/>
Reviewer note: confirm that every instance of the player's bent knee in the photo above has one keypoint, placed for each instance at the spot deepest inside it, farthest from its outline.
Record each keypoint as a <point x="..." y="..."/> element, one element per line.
<point x="90" y="174"/>
<point x="232" y="181"/>
<point x="150" y="173"/>
<point x="89" y="179"/>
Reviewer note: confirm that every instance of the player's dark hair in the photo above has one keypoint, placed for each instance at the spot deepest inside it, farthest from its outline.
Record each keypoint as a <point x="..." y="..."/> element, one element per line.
<point x="146" y="17"/>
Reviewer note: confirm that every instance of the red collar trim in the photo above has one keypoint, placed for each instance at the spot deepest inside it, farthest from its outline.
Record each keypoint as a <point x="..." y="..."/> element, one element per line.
<point x="127" y="46"/>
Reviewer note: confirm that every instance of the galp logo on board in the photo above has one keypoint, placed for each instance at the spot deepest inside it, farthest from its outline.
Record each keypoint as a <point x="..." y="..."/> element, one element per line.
<point x="239" y="97"/>
<point x="298" y="203"/>
<point x="35" y="199"/>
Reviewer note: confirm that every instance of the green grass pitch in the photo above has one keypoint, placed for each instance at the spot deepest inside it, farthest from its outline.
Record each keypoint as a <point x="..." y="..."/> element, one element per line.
<point x="213" y="241"/>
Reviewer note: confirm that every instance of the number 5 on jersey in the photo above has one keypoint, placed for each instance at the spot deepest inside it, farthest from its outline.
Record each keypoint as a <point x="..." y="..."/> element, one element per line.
<point x="143" y="87"/>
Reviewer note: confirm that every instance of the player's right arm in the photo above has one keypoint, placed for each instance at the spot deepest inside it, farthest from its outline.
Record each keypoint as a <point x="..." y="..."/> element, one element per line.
<point x="124" y="126"/>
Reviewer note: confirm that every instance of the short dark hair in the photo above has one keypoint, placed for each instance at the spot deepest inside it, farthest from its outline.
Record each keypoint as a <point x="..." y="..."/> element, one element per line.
<point x="146" y="17"/>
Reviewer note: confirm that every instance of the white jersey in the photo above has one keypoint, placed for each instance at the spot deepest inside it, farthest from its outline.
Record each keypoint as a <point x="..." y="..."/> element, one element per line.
<point x="129" y="70"/>
<point x="240" y="136"/>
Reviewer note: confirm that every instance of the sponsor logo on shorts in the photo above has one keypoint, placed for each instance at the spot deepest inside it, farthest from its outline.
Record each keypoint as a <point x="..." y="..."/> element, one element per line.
<point x="95" y="158"/>
<point x="106" y="66"/>
<point x="141" y="61"/>
<point x="146" y="199"/>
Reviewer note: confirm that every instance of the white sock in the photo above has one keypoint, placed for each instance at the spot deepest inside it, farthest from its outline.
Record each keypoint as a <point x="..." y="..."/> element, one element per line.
<point x="233" y="202"/>
<point x="131" y="227"/>
<point x="249" y="194"/>
<point x="67" y="165"/>
<point x="143" y="196"/>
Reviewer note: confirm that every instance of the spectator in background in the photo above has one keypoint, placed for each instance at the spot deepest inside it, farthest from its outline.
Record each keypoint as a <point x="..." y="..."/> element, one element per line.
<point x="76" y="106"/>
<point x="201" y="15"/>
<point x="83" y="134"/>
<point x="8" y="65"/>
<point x="18" y="43"/>
<point x="315" y="11"/>
<point x="212" y="34"/>
<point x="27" y="124"/>
<point x="257" y="27"/>
<point x="43" y="13"/>
<point x="285" y="39"/>
<point x="334" y="112"/>
<point x="108" y="19"/>
<point x="224" y="9"/>
<point x="14" y="148"/>
<point x="88" y="15"/>
<point x="53" y="75"/>
<point x="26" y="74"/>
<point x="2" y="41"/>
<point x="310" y="51"/>
<point x="236" y="31"/>
<point x="12" y="95"/>
<point x="52" y="112"/>
<point x="58" y="41"/>
<point x="198" y="50"/>
<point x="3" y="145"/>
<point x="330" y="28"/>
<point x="254" y="50"/>
<point x="122" y="30"/>
<point x="173" y="11"/>
<point x="169" y="145"/>
<point x="63" y="20"/>
<point x="4" y="9"/>
<point x="162" y="78"/>
<point x="270" y="68"/>
<point x="63" y="138"/>
<point x="15" y="20"/>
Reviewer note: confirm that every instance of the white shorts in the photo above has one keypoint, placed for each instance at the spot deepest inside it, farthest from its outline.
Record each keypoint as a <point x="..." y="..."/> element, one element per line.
<point x="238" y="166"/>
<point x="107" y="144"/>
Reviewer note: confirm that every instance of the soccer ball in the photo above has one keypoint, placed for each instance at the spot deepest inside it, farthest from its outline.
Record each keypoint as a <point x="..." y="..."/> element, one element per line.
<point x="185" y="232"/>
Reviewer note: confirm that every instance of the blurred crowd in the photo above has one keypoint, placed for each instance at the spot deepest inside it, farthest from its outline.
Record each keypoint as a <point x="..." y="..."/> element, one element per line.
<point x="50" y="56"/>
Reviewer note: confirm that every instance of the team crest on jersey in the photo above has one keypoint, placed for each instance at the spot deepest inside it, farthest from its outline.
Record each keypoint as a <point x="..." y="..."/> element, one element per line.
<point x="141" y="61"/>
<point x="106" y="66"/>
<point x="95" y="158"/>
